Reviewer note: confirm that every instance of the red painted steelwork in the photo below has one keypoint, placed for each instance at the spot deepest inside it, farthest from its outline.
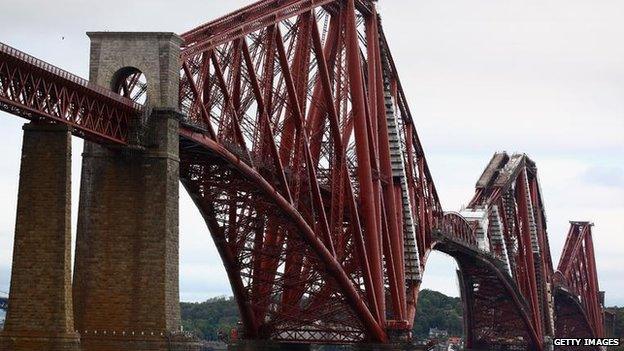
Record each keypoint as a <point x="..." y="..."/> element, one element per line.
<point x="576" y="273"/>
<point x="514" y="235"/>
<point x="286" y="150"/>
<point x="460" y="230"/>
<point x="295" y="89"/>
<point x="35" y="90"/>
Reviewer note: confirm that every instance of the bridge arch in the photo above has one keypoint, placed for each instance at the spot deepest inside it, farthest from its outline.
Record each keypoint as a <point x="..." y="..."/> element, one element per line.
<point x="222" y="183"/>
<point x="570" y="318"/>
<point x="131" y="82"/>
<point x="495" y="313"/>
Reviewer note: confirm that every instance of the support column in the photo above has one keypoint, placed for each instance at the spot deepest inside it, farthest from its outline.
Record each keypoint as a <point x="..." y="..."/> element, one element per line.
<point x="40" y="313"/>
<point x="126" y="275"/>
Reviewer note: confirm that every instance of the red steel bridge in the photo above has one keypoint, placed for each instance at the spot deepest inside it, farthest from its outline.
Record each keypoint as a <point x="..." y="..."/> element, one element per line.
<point x="298" y="146"/>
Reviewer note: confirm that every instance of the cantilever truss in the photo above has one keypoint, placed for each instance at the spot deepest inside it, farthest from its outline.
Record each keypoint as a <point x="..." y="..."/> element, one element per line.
<point x="303" y="95"/>
<point x="510" y="223"/>
<point x="576" y="280"/>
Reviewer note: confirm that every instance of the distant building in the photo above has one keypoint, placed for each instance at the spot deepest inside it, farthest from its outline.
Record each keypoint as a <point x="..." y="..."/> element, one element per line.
<point x="454" y="340"/>
<point x="438" y="333"/>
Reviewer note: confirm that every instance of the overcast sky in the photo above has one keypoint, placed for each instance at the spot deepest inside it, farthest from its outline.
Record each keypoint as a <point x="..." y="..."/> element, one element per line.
<point x="544" y="77"/>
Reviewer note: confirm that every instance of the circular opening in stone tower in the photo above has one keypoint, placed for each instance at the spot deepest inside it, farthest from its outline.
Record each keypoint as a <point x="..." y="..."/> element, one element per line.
<point x="131" y="83"/>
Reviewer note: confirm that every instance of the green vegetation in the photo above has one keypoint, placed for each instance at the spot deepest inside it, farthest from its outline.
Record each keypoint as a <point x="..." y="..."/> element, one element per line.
<point x="618" y="326"/>
<point x="436" y="310"/>
<point x="209" y="317"/>
<point x="221" y="313"/>
<point x="618" y="331"/>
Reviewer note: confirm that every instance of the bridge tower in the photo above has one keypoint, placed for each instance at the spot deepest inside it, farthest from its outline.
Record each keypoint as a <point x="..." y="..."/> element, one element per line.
<point x="126" y="291"/>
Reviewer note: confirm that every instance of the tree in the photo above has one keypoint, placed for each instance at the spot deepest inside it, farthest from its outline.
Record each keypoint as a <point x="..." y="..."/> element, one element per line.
<point x="221" y="313"/>
<point x="436" y="310"/>
<point x="209" y="317"/>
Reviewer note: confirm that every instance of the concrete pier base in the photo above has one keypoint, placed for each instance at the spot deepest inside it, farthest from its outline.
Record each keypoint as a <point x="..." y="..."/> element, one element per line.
<point x="40" y="313"/>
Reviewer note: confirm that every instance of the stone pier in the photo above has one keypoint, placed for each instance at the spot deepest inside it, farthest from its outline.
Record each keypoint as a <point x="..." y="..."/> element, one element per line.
<point x="126" y="294"/>
<point x="40" y="313"/>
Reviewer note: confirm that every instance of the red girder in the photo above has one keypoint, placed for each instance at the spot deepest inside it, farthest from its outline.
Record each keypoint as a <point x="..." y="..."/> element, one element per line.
<point x="36" y="90"/>
<point x="254" y="17"/>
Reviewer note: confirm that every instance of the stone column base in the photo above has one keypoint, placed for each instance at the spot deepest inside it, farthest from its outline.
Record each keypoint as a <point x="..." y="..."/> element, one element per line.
<point x="34" y="342"/>
<point x="139" y="343"/>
